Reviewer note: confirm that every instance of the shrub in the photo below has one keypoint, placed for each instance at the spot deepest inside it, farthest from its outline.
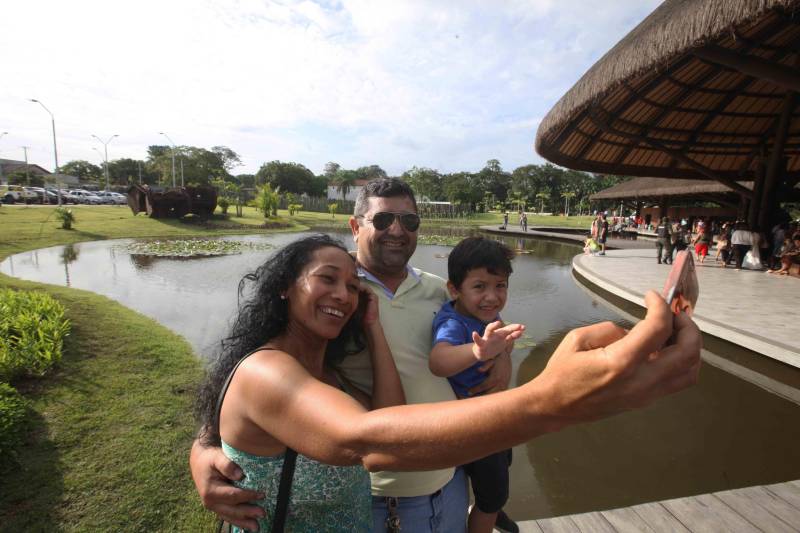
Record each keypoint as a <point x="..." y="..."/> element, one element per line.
<point x="66" y="216"/>
<point x="13" y="409"/>
<point x="223" y="204"/>
<point x="32" y="331"/>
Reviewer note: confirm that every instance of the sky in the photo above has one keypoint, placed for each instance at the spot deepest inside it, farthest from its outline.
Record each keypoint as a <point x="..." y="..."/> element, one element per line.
<point x="440" y="84"/>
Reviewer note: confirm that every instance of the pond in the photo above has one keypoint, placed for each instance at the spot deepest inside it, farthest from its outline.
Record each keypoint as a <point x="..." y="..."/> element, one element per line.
<point x="723" y="433"/>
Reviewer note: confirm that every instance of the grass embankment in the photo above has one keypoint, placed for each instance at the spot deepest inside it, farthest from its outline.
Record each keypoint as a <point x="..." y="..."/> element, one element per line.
<point x="112" y="425"/>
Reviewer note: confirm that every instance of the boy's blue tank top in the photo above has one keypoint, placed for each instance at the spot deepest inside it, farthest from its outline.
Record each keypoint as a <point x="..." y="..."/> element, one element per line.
<point x="452" y="327"/>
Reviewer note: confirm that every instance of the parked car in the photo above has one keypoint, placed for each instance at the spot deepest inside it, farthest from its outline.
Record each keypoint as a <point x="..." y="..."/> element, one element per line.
<point x="16" y="193"/>
<point x="87" y="197"/>
<point x="120" y="199"/>
<point x="50" y="197"/>
<point x="105" y="197"/>
<point x="113" y="198"/>
<point x="66" y="196"/>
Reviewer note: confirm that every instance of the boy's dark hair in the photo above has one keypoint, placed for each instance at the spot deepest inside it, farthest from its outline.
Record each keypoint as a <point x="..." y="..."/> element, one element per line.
<point x="382" y="188"/>
<point x="478" y="252"/>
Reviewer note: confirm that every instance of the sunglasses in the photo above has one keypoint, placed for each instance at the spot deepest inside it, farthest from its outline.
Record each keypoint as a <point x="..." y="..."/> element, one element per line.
<point x="382" y="220"/>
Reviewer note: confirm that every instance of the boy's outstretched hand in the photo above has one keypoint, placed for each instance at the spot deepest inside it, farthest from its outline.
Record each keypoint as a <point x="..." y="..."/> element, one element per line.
<point x="495" y="340"/>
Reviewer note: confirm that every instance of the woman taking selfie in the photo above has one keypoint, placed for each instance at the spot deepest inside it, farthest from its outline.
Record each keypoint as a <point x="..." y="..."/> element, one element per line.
<point x="301" y="319"/>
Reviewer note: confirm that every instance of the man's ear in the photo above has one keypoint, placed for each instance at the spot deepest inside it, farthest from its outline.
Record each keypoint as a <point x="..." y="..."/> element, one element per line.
<point x="452" y="289"/>
<point x="354" y="227"/>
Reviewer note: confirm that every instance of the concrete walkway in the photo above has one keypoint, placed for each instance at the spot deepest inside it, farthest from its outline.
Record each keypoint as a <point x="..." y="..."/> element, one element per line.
<point x="746" y="307"/>
<point x="570" y="235"/>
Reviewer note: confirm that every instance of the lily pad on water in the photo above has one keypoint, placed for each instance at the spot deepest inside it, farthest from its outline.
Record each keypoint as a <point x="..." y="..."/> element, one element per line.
<point x="526" y="341"/>
<point x="192" y="247"/>
<point x="442" y="240"/>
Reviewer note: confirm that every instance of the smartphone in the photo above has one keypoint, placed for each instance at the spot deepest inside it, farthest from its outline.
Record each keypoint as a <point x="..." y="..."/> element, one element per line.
<point x="682" y="290"/>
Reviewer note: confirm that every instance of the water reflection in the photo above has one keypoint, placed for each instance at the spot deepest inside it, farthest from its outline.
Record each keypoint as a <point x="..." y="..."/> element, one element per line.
<point x="68" y="255"/>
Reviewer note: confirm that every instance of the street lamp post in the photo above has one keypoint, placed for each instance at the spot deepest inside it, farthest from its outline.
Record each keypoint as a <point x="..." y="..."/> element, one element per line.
<point x="105" y="156"/>
<point x="27" y="168"/>
<point x="173" y="156"/>
<point x="55" y="149"/>
<point x="2" y="134"/>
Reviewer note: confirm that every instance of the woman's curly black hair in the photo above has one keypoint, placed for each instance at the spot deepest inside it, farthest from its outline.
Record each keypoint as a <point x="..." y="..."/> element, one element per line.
<point x="264" y="315"/>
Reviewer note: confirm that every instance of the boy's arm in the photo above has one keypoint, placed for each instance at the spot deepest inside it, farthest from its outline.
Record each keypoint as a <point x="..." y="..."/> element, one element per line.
<point x="447" y="359"/>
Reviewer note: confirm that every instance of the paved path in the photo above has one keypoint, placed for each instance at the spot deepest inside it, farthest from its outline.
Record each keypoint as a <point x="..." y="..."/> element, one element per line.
<point x="569" y="235"/>
<point x="746" y="307"/>
<point x="764" y="508"/>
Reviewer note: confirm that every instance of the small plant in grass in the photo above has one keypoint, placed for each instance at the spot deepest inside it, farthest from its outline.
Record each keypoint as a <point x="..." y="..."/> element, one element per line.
<point x="32" y="331"/>
<point x="294" y="209"/>
<point x="267" y="200"/>
<point x="332" y="207"/>
<point x="13" y="409"/>
<point x="223" y="204"/>
<point x="65" y="216"/>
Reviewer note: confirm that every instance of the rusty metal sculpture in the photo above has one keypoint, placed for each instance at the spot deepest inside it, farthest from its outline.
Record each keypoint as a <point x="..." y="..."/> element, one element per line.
<point x="172" y="203"/>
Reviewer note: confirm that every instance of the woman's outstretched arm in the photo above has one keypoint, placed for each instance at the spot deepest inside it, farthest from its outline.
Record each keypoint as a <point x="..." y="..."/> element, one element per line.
<point x="597" y="371"/>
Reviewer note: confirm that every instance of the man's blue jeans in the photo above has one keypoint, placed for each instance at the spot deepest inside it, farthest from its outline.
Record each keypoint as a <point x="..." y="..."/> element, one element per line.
<point x="444" y="511"/>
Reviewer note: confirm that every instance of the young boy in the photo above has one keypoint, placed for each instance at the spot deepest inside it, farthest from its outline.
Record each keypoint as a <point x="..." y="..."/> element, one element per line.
<point x="467" y="336"/>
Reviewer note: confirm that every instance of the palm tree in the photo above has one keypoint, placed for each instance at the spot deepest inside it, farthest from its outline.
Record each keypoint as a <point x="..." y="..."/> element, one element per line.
<point x="518" y="200"/>
<point x="566" y="196"/>
<point x="345" y="180"/>
<point x="542" y="196"/>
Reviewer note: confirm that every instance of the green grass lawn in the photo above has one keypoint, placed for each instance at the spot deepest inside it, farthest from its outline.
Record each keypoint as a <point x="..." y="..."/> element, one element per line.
<point x="112" y="425"/>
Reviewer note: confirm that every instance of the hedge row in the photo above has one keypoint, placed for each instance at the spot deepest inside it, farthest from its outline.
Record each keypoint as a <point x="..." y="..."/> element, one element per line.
<point x="13" y="408"/>
<point x="32" y="331"/>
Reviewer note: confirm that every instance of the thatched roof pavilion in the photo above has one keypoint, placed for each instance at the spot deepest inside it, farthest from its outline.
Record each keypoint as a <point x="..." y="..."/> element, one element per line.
<point x="655" y="188"/>
<point x="701" y="89"/>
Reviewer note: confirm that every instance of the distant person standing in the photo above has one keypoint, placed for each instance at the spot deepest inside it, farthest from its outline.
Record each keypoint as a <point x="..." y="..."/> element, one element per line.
<point x="505" y="220"/>
<point x="701" y="243"/>
<point x="741" y="240"/>
<point x="523" y="221"/>
<point x="602" y="234"/>
<point x="664" y="241"/>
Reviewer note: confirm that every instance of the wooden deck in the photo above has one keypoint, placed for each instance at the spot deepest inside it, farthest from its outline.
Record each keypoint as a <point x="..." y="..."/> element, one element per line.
<point x="769" y="508"/>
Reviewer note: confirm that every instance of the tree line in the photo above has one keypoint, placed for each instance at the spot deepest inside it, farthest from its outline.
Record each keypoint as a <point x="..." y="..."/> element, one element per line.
<point x="544" y="187"/>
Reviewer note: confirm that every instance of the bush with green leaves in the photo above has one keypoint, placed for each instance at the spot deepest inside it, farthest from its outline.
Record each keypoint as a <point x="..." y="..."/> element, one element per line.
<point x="65" y="216"/>
<point x="32" y="331"/>
<point x="223" y="204"/>
<point x="13" y="410"/>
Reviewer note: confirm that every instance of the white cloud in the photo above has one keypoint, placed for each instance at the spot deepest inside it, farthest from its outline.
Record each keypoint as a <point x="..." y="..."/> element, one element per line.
<point x="397" y="83"/>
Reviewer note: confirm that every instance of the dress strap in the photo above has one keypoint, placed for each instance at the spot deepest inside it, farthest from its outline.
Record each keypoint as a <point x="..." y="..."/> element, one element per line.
<point x="227" y="384"/>
<point x="289" y="459"/>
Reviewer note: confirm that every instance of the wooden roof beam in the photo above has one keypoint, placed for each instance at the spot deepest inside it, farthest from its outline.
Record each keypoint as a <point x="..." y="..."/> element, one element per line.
<point x="688" y="89"/>
<point x="756" y="67"/>
<point x="707" y="172"/>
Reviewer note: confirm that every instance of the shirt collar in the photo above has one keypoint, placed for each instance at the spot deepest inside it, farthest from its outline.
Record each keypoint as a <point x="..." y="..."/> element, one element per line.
<point x="362" y="273"/>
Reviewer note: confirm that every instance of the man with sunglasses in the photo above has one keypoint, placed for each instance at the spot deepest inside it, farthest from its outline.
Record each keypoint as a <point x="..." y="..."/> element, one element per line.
<point x="385" y="225"/>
